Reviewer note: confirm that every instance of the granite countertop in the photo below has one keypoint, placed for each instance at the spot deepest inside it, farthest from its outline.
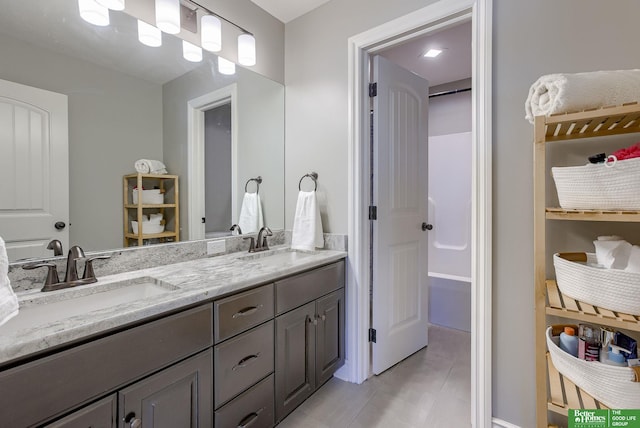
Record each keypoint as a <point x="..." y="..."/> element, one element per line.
<point x="185" y="283"/>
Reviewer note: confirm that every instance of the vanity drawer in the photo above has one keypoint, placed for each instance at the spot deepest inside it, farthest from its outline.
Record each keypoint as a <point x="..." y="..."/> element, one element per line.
<point x="299" y="289"/>
<point x="69" y="378"/>
<point x="253" y="408"/>
<point x="242" y="361"/>
<point x="242" y="311"/>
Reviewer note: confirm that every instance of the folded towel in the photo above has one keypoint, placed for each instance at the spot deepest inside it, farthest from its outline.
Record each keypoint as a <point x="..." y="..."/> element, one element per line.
<point x="251" y="220"/>
<point x="307" y="224"/>
<point x="612" y="254"/>
<point x="8" y="299"/>
<point x="634" y="260"/>
<point x="149" y="166"/>
<point x="564" y="92"/>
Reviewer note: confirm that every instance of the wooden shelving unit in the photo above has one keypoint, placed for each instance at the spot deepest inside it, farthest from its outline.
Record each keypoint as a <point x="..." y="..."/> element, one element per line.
<point x="170" y="210"/>
<point x="562" y="394"/>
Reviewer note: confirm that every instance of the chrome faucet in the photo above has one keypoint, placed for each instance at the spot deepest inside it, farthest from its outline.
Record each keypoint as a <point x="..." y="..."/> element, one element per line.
<point x="56" y="246"/>
<point x="259" y="243"/>
<point x="236" y="227"/>
<point x="52" y="281"/>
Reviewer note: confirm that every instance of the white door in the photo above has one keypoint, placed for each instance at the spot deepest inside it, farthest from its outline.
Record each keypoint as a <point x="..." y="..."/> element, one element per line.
<point x="34" y="170"/>
<point x="400" y="245"/>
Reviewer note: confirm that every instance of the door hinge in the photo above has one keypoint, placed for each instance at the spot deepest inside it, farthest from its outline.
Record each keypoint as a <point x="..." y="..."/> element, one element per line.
<point x="372" y="335"/>
<point x="373" y="89"/>
<point x="373" y="212"/>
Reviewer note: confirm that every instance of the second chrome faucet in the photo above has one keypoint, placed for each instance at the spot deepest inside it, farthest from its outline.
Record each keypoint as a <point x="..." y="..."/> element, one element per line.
<point x="260" y="243"/>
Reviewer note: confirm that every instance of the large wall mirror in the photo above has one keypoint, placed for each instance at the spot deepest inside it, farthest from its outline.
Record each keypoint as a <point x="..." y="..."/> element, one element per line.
<point x="127" y="101"/>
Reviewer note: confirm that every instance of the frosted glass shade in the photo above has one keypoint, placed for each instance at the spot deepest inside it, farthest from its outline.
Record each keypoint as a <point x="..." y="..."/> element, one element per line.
<point x="211" y="29"/>
<point x="168" y="16"/>
<point x="93" y="12"/>
<point x="149" y="35"/>
<point x="191" y="52"/>
<point x="246" y="49"/>
<point x="226" y="67"/>
<point x="112" y="4"/>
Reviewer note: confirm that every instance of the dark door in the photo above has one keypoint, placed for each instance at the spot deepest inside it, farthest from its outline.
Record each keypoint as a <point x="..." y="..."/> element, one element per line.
<point x="101" y="414"/>
<point x="329" y="335"/>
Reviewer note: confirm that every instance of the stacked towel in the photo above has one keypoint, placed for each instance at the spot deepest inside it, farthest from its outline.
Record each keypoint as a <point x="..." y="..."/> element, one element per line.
<point x="251" y="220"/>
<point x="563" y="92"/>
<point x="307" y="224"/>
<point x="613" y="252"/>
<point x="149" y="166"/>
<point x="8" y="299"/>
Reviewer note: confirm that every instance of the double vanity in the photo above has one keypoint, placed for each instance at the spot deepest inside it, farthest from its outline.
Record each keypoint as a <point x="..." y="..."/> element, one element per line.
<point x="232" y="341"/>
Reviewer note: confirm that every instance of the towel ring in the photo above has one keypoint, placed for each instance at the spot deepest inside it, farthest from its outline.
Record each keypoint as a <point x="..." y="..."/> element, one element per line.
<point x="258" y="180"/>
<point x="313" y="176"/>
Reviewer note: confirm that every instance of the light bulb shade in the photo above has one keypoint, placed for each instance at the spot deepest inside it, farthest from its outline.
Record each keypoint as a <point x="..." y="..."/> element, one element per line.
<point x="93" y="12"/>
<point x="191" y="52"/>
<point x="211" y="29"/>
<point x="246" y="49"/>
<point x="149" y="35"/>
<point x="168" y="16"/>
<point x="226" y="67"/>
<point x="112" y="4"/>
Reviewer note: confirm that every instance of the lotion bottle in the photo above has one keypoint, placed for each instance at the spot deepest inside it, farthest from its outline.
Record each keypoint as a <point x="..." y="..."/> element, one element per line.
<point x="569" y="341"/>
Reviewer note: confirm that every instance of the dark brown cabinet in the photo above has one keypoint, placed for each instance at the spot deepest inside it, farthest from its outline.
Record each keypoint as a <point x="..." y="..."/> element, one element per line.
<point x="101" y="414"/>
<point x="310" y="338"/>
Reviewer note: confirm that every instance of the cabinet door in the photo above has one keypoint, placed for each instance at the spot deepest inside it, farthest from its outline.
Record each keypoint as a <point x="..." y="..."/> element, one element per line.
<point x="295" y="358"/>
<point x="101" y="414"/>
<point x="329" y="335"/>
<point x="179" y="396"/>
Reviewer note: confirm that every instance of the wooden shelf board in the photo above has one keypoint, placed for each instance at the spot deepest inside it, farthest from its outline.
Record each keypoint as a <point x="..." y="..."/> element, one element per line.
<point x="565" y="395"/>
<point x="144" y="206"/>
<point x="151" y="236"/>
<point x="567" y="307"/>
<point x="612" y="120"/>
<point x="593" y="215"/>
<point x="160" y="176"/>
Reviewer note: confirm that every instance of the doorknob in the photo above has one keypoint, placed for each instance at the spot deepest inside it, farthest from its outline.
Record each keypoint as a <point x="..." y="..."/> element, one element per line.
<point x="426" y="226"/>
<point x="60" y="225"/>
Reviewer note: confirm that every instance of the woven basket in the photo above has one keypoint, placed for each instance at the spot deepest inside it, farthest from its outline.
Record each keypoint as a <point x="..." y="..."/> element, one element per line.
<point x="598" y="187"/>
<point x="613" y="289"/>
<point x="615" y="387"/>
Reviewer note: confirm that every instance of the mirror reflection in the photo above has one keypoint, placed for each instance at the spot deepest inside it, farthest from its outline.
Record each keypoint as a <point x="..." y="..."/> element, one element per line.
<point x="124" y="102"/>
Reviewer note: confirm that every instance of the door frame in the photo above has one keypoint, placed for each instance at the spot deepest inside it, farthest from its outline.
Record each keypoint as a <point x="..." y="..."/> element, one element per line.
<point x="195" y="155"/>
<point x="422" y="21"/>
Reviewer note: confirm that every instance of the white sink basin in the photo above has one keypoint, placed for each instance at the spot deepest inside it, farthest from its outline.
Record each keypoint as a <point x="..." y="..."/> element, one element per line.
<point x="284" y="255"/>
<point x="50" y="307"/>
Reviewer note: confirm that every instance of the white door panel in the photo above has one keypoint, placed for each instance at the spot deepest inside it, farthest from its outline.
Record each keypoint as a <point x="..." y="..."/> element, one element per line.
<point x="400" y="192"/>
<point x="33" y="169"/>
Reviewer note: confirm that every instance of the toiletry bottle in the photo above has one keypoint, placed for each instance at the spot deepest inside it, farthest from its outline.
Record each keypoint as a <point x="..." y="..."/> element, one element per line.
<point x="569" y="341"/>
<point x="607" y="337"/>
<point x="588" y="342"/>
<point x="616" y="356"/>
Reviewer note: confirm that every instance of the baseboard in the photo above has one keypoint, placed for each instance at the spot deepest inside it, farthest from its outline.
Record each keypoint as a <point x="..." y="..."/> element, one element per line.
<point x="345" y="372"/>
<point x="499" y="423"/>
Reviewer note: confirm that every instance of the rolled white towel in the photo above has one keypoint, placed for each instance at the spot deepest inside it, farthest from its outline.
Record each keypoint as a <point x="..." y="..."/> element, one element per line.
<point x="8" y="300"/>
<point x="150" y="166"/>
<point x="567" y="92"/>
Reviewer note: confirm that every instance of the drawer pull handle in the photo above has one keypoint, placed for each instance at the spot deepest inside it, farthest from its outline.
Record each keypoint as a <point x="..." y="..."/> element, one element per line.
<point x="248" y="420"/>
<point x="245" y="361"/>
<point x="246" y="311"/>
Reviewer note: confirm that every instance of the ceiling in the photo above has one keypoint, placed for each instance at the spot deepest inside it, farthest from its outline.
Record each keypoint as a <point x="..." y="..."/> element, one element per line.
<point x="288" y="10"/>
<point x="454" y="63"/>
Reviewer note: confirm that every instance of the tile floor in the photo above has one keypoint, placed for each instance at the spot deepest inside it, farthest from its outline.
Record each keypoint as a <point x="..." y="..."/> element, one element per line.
<point x="431" y="389"/>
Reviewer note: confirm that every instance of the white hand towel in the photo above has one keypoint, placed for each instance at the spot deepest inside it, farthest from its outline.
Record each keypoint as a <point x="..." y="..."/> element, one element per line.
<point x="150" y="166"/>
<point x="634" y="260"/>
<point x="566" y="92"/>
<point x="612" y="254"/>
<point x="251" y="220"/>
<point x="307" y="224"/>
<point x="8" y="299"/>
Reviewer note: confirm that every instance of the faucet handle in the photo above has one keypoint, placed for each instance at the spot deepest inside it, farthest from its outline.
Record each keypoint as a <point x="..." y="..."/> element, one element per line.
<point x="88" y="266"/>
<point x="252" y="245"/>
<point x="52" y="272"/>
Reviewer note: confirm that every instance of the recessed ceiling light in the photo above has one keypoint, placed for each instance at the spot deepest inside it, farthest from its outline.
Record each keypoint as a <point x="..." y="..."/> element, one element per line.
<point x="432" y="53"/>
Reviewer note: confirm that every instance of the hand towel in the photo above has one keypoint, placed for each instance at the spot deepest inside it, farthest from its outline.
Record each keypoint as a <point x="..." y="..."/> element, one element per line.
<point x="307" y="224"/>
<point x="251" y="220"/>
<point x="566" y="92"/>
<point x="612" y="253"/>
<point x="149" y="166"/>
<point x="8" y="300"/>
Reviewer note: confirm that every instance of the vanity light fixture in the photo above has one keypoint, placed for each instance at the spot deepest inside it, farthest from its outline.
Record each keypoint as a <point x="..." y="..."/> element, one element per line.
<point x="211" y="33"/>
<point x="93" y="13"/>
<point x="149" y="35"/>
<point x="226" y="67"/>
<point x="191" y="52"/>
<point x="432" y="53"/>
<point x="246" y="49"/>
<point x="112" y="4"/>
<point x="168" y="16"/>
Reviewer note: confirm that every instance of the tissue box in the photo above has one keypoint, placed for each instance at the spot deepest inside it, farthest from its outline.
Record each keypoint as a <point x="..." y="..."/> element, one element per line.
<point x="151" y="196"/>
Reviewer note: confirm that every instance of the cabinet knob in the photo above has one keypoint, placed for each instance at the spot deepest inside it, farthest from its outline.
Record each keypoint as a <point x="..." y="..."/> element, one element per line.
<point x="132" y="420"/>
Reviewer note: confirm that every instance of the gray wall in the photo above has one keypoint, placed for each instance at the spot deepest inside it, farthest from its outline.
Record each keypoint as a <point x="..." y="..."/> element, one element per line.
<point x="529" y="39"/>
<point x="114" y="119"/>
<point x="217" y="169"/>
